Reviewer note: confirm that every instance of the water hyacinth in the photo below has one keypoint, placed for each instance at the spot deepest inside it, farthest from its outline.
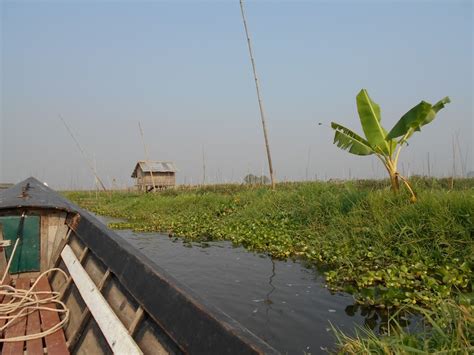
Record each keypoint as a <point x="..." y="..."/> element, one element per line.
<point x="386" y="251"/>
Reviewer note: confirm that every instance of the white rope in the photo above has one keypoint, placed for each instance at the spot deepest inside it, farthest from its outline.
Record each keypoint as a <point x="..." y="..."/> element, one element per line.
<point x="9" y="262"/>
<point x="24" y="302"/>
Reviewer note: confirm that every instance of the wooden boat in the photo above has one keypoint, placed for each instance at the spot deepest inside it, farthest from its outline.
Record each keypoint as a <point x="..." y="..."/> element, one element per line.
<point x="117" y="300"/>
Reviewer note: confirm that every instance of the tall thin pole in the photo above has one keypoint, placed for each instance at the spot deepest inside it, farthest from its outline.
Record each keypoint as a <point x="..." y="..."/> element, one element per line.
<point x="203" y="166"/>
<point x="429" y="165"/>
<point x="96" y="183"/>
<point x="147" y="157"/>
<point x="461" y="160"/>
<point x="307" y="163"/>
<point x="454" y="164"/>
<point x="260" y="102"/>
<point x="89" y="164"/>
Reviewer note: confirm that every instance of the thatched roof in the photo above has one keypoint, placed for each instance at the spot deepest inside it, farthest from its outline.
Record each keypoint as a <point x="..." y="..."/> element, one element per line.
<point x="154" y="167"/>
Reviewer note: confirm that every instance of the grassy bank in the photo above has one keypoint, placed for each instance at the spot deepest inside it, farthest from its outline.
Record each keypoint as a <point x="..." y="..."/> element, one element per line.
<point x="449" y="330"/>
<point x="380" y="247"/>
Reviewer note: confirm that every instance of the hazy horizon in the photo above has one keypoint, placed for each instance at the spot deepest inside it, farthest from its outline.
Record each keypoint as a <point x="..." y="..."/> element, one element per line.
<point x="182" y="69"/>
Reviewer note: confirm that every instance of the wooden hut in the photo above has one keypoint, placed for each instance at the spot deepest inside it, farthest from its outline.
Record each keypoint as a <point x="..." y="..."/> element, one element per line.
<point x="151" y="175"/>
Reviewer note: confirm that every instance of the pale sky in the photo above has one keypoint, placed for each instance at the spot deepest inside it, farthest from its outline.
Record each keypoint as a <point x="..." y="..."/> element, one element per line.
<point x="182" y="69"/>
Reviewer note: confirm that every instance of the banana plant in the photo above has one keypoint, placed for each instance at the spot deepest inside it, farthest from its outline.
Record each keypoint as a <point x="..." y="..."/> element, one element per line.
<point x="385" y="146"/>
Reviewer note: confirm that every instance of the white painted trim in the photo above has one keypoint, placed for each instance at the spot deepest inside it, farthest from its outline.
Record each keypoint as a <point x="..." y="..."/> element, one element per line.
<point x="112" y="328"/>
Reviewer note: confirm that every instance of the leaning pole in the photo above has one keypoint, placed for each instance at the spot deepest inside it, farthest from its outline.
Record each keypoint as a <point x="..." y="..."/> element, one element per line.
<point x="260" y="101"/>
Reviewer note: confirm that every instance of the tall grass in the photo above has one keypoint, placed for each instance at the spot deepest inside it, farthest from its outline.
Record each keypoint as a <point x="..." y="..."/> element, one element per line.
<point x="449" y="329"/>
<point x="378" y="246"/>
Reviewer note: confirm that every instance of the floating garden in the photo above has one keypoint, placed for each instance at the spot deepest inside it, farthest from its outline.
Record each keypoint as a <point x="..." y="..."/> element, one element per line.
<point x="384" y="249"/>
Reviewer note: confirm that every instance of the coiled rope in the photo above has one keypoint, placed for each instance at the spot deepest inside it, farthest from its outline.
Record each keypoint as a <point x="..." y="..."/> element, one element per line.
<point x="24" y="302"/>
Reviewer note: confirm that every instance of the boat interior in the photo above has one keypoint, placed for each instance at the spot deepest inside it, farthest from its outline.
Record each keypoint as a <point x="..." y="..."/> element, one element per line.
<point x="49" y="244"/>
<point x="70" y="285"/>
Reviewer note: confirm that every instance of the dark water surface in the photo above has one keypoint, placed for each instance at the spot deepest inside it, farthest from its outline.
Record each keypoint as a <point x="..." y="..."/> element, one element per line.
<point x="284" y="303"/>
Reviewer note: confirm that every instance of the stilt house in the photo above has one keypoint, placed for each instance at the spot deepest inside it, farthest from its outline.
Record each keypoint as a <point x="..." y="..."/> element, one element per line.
<point x="151" y="175"/>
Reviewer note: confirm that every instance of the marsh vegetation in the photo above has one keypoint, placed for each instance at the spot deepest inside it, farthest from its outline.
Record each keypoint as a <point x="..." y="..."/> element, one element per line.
<point x="385" y="250"/>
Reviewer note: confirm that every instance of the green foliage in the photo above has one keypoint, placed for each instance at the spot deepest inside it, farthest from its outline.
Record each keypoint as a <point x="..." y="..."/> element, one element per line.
<point x="447" y="329"/>
<point x="346" y="139"/>
<point x="418" y="116"/>
<point x="377" y="141"/>
<point x="383" y="249"/>
<point x="369" y="114"/>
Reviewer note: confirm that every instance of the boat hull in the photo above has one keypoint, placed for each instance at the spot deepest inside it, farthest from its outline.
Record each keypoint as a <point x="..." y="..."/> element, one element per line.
<point x="160" y="315"/>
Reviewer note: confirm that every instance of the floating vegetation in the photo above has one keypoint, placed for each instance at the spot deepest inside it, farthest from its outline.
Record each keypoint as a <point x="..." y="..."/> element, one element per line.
<point x="383" y="249"/>
<point x="386" y="251"/>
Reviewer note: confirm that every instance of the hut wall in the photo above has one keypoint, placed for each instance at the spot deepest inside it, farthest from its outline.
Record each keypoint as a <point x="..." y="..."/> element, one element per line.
<point x="160" y="179"/>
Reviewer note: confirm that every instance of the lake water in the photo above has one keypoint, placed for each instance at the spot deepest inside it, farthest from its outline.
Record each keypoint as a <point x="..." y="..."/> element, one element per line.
<point x="282" y="302"/>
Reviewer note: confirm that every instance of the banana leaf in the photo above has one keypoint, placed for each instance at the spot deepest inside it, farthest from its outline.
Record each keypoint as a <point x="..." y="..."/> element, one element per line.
<point x="369" y="113"/>
<point x="348" y="140"/>
<point x="414" y="119"/>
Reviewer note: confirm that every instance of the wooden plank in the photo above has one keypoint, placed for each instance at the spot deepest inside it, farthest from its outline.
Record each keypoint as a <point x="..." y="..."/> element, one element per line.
<point x="25" y="275"/>
<point x="33" y="326"/>
<point x="56" y="258"/>
<point x="56" y="342"/>
<point x="3" y="261"/>
<point x="53" y="225"/>
<point x="113" y="330"/>
<point x="69" y="280"/>
<point x="18" y="328"/>
<point x="153" y="341"/>
<point x="62" y="235"/>
<point x="72" y="340"/>
<point x="77" y="308"/>
<point x="139" y="315"/>
<point x="122" y="303"/>
<point x="4" y="300"/>
<point x="44" y="242"/>
<point x="76" y="244"/>
<point x="57" y="231"/>
<point x="94" y="268"/>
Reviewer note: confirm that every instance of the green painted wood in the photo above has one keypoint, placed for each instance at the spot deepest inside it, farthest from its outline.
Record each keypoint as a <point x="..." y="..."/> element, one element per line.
<point x="27" y="255"/>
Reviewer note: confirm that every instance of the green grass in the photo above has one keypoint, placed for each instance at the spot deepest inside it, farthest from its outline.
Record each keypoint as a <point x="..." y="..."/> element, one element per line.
<point x="385" y="250"/>
<point x="448" y="329"/>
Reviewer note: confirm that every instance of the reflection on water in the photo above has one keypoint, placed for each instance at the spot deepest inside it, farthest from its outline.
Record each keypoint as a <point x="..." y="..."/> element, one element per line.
<point x="283" y="302"/>
<point x="272" y="288"/>
<point x="374" y="319"/>
<point x="377" y="319"/>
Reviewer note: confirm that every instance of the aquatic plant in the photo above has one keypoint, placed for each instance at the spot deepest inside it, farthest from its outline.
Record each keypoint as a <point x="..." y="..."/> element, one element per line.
<point x="446" y="329"/>
<point x="388" y="252"/>
<point x="377" y="141"/>
<point x="381" y="248"/>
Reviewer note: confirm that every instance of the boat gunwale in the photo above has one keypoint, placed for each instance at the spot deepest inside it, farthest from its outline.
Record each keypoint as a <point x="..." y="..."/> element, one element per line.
<point x="195" y="325"/>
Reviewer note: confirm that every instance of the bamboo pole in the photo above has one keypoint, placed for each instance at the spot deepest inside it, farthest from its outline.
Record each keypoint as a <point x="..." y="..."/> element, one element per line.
<point x="203" y="166"/>
<point x="307" y="164"/>
<point x="429" y="165"/>
<point x="260" y="101"/>
<point x="462" y="162"/>
<point x="147" y="158"/>
<point x="96" y="183"/>
<point x="454" y="164"/>
<point x="89" y="164"/>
